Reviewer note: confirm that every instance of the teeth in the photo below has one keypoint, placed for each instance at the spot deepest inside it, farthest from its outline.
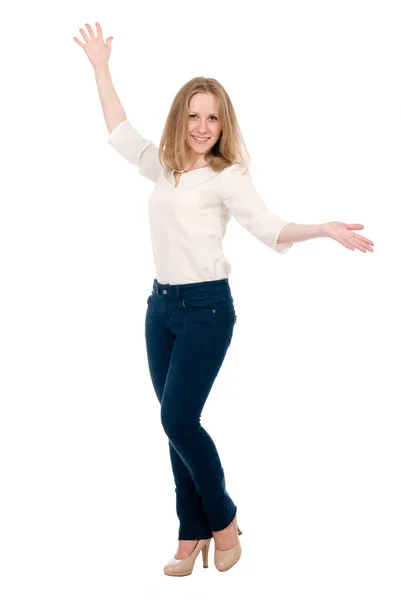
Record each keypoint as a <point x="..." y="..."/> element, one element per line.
<point x="200" y="139"/>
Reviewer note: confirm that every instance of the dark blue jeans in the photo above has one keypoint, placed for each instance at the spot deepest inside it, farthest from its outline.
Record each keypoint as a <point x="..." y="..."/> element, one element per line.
<point x="188" y="329"/>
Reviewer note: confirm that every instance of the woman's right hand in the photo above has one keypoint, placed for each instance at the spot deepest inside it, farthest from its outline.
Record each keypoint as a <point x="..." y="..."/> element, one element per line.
<point x="96" y="50"/>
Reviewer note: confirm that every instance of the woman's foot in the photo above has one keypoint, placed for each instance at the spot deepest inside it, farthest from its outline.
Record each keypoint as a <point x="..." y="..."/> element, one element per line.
<point x="226" y="538"/>
<point x="185" y="548"/>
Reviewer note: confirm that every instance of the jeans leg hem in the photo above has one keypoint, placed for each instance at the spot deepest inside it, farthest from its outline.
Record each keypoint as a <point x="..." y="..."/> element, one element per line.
<point x="223" y="524"/>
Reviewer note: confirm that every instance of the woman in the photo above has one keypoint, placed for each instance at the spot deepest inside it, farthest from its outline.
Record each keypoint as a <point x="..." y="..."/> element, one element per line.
<point x="201" y="176"/>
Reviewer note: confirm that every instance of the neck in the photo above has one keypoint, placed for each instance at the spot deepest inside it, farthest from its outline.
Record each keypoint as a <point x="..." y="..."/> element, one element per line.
<point x="196" y="161"/>
<point x="196" y="165"/>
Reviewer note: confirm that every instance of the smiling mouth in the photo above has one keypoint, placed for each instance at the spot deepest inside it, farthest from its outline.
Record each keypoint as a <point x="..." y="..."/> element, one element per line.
<point x="200" y="140"/>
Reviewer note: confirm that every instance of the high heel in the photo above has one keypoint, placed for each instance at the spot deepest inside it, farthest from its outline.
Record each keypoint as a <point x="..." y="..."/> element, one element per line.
<point x="225" y="559"/>
<point x="184" y="566"/>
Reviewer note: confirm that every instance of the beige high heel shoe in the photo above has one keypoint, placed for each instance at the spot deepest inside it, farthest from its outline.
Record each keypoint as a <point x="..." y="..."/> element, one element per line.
<point x="184" y="566"/>
<point x="225" y="559"/>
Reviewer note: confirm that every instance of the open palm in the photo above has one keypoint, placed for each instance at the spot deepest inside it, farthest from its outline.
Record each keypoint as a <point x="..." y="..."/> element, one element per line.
<point x="96" y="49"/>
<point x="341" y="232"/>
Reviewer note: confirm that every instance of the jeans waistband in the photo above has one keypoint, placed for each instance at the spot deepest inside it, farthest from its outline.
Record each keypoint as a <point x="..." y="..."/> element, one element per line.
<point x="188" y="290"/>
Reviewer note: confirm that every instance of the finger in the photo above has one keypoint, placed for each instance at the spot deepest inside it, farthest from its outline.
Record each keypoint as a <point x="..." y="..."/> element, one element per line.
<point x="99" y="30"/>
<point x="355" y="226"/>
<point x="79" y="42"/>
<point x="359" y="238"/>
<point x="89" y="28"/>
<point x="361" y="244"/>
<point x="84" y="35"/>
<point x="365" y="239"/>
<point x="367" y="246"/>
<point x="360" y="247"/>
<point x="346" y="244"/>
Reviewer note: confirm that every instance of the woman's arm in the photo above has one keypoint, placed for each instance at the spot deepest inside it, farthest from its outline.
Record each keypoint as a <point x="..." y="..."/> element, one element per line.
<point x="336" y="230"/>
<point x="122" y="136"/>
<point x="113" y="110"/>
<point x="98" y="52"/>
<point x="294" y="232"/>
<point x="242" y="200"/>
<point x="244" y="203"/>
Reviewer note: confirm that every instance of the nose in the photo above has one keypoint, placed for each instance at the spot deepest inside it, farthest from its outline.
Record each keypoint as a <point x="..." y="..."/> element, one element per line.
<point x="202" y="129"/>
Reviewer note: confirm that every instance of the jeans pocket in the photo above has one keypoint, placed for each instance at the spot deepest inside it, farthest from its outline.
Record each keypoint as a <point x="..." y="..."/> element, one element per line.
<point x="200" y="317"/>
<point x="200" y="303"/>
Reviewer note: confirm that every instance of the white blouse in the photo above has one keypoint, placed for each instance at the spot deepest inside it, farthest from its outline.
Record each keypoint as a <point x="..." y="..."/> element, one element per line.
<point x="188" y="222"/>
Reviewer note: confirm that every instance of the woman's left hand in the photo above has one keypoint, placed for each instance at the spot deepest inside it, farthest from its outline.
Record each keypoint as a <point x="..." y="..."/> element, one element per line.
<point x="341" y="232"/>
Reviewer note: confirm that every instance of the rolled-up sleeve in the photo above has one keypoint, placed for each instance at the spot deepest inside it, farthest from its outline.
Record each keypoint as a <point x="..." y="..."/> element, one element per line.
<point x="244" y="203"/>
<point x="137" y="150"/>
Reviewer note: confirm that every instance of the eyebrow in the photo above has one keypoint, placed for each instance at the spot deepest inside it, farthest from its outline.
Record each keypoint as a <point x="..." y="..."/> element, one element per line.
<point x="210" y="115"/>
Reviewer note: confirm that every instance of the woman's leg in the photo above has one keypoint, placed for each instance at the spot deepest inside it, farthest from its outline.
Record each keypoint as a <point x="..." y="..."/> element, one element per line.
<point x="160" y="342"/>
<point x="195" y="361"/>
<point x="188" y="331"/>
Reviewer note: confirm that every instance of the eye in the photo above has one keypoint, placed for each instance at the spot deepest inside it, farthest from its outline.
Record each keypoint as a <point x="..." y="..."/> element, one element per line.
<point x="212" y="116"/>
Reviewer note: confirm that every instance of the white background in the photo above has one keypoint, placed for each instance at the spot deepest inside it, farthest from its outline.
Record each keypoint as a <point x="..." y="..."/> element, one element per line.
<point x="305" y="410"/>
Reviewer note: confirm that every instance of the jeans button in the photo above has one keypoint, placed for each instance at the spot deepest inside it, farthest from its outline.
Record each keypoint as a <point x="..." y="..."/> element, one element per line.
<point x="164" y="291"/>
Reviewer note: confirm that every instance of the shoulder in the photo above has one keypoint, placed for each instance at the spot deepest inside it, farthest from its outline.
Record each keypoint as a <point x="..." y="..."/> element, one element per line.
<point x="233" y="177"/>
<point x="235" y="169"/>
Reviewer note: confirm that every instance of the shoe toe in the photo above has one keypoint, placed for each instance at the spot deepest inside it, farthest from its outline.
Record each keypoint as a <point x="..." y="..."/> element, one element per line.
<point x="225" y="559"/>
<point x="172" y="566"/>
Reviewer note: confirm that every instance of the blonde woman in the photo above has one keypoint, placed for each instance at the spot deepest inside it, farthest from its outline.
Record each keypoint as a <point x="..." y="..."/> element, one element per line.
<point x="200" y="171"/>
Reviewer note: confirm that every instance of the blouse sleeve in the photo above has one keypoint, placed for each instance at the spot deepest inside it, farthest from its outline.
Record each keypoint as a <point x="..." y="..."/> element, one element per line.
<point x="244" y="203"/>
<point x="139" y="152"/>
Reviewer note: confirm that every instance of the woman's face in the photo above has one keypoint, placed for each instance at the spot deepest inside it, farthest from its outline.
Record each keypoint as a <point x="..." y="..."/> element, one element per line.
<point x="204" y="122"/>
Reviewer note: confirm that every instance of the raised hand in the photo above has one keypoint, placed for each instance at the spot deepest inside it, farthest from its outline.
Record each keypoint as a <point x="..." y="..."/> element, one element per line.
<point x="96" y="49"/>
<point x="341" y="232"/>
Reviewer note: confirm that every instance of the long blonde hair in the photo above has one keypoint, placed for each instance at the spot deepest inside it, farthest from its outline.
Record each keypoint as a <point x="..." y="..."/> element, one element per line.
<point x="230" y="147"/>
